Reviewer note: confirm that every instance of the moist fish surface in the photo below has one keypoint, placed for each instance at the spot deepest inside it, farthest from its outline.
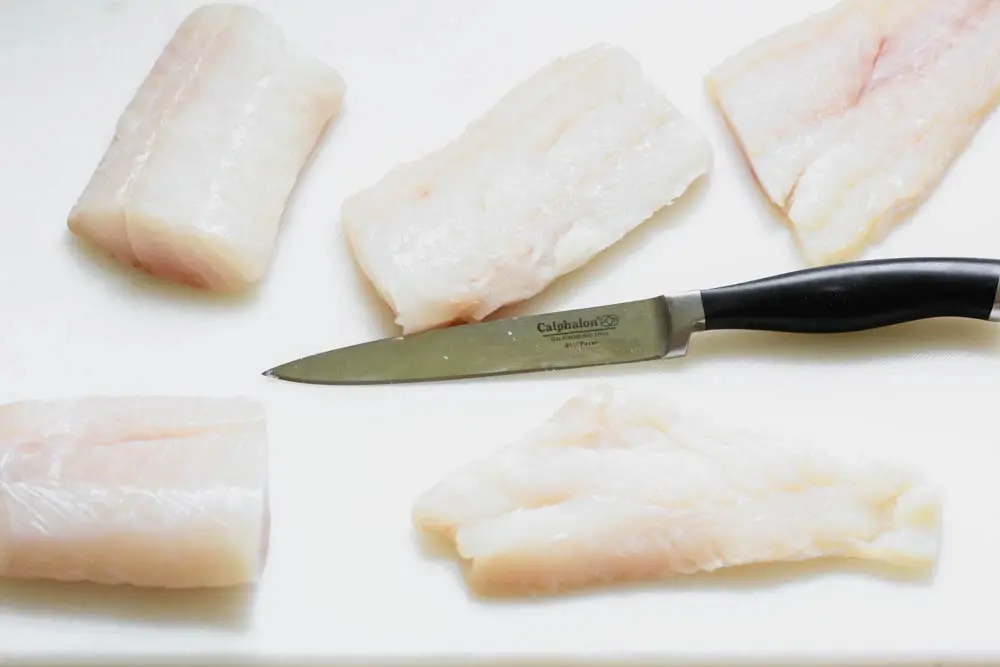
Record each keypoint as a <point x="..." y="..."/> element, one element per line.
<point x="560" y="168"/>
<point x="850" y="118"/>
<point x="195" y="182"/>
<point x="153" y="491"/>
<point x="618" y="487"/>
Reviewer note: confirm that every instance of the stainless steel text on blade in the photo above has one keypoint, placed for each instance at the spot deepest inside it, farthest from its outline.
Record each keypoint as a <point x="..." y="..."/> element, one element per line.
<point x="612" y="334"/>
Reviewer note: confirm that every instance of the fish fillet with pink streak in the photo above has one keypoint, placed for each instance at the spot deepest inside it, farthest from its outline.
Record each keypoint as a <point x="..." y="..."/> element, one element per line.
<point x="849" y="119"/>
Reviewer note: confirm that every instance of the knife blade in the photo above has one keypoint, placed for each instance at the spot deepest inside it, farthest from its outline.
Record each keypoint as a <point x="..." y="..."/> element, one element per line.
<point x="840" y="298"/>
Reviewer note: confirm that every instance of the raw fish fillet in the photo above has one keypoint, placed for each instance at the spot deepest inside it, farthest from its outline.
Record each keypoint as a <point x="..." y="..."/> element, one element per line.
<point x="850" y="118"/>
<point x="616" y="487"/>
<point x="166" y="492"/>
<point x="194" y="184"/>
<point x="563" y="166"/>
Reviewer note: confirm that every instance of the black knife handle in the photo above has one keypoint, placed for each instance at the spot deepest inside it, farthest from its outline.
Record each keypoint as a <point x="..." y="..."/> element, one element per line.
<point x="858" y="295"/>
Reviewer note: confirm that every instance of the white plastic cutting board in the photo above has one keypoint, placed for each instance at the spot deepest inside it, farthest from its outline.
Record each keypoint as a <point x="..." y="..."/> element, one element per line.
<point x="347" y="581"/>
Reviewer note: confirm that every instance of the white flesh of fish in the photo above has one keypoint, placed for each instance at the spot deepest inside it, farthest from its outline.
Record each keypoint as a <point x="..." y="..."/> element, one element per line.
<point x="850" y="119"/>
<point x="562" y="167"/>
<point x="194" y="184"/>
<point x="164" y="492"/>
<point x="616" y="487"/>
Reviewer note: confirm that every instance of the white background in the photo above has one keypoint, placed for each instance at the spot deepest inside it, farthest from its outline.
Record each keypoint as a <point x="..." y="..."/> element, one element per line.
<point x="346" y="578"/>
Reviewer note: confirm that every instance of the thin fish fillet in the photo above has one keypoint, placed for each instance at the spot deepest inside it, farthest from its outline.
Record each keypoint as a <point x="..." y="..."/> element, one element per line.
<point x="618" y="487"/>
<point x="560" y="168"/>
<point x="850" y="118"/>
<point x="156" y="491"/>
<point x="194" y="184"/>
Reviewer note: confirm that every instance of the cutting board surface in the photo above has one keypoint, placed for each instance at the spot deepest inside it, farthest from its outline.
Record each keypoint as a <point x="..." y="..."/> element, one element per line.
<point x="347" y="580"/>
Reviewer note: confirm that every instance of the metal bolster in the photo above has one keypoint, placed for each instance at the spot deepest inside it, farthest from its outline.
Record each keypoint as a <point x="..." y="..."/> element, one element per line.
<point x="995" y="312"/>
<point x="687" y="315"/>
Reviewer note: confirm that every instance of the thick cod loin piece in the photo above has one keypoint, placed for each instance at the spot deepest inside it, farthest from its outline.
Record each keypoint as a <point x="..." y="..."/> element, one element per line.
<point x="563" y="166"/>
<point x="194" y="184"/>
<point x="618" y="487"/>
<point x="850" y="119"/>
<point x="160" y="491"/>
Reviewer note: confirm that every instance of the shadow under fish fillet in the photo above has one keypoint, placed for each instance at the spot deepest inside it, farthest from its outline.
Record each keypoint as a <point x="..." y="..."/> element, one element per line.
<point x="194" y="184"/>
<point x="563" y="166"/>
<point x="616" y="487"/>
<point x="167" y="492"/>
<point x="849" y="119"/>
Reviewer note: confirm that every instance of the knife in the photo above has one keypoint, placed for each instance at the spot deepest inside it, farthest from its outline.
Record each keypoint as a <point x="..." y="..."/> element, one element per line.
<point x="839" y="298"/>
